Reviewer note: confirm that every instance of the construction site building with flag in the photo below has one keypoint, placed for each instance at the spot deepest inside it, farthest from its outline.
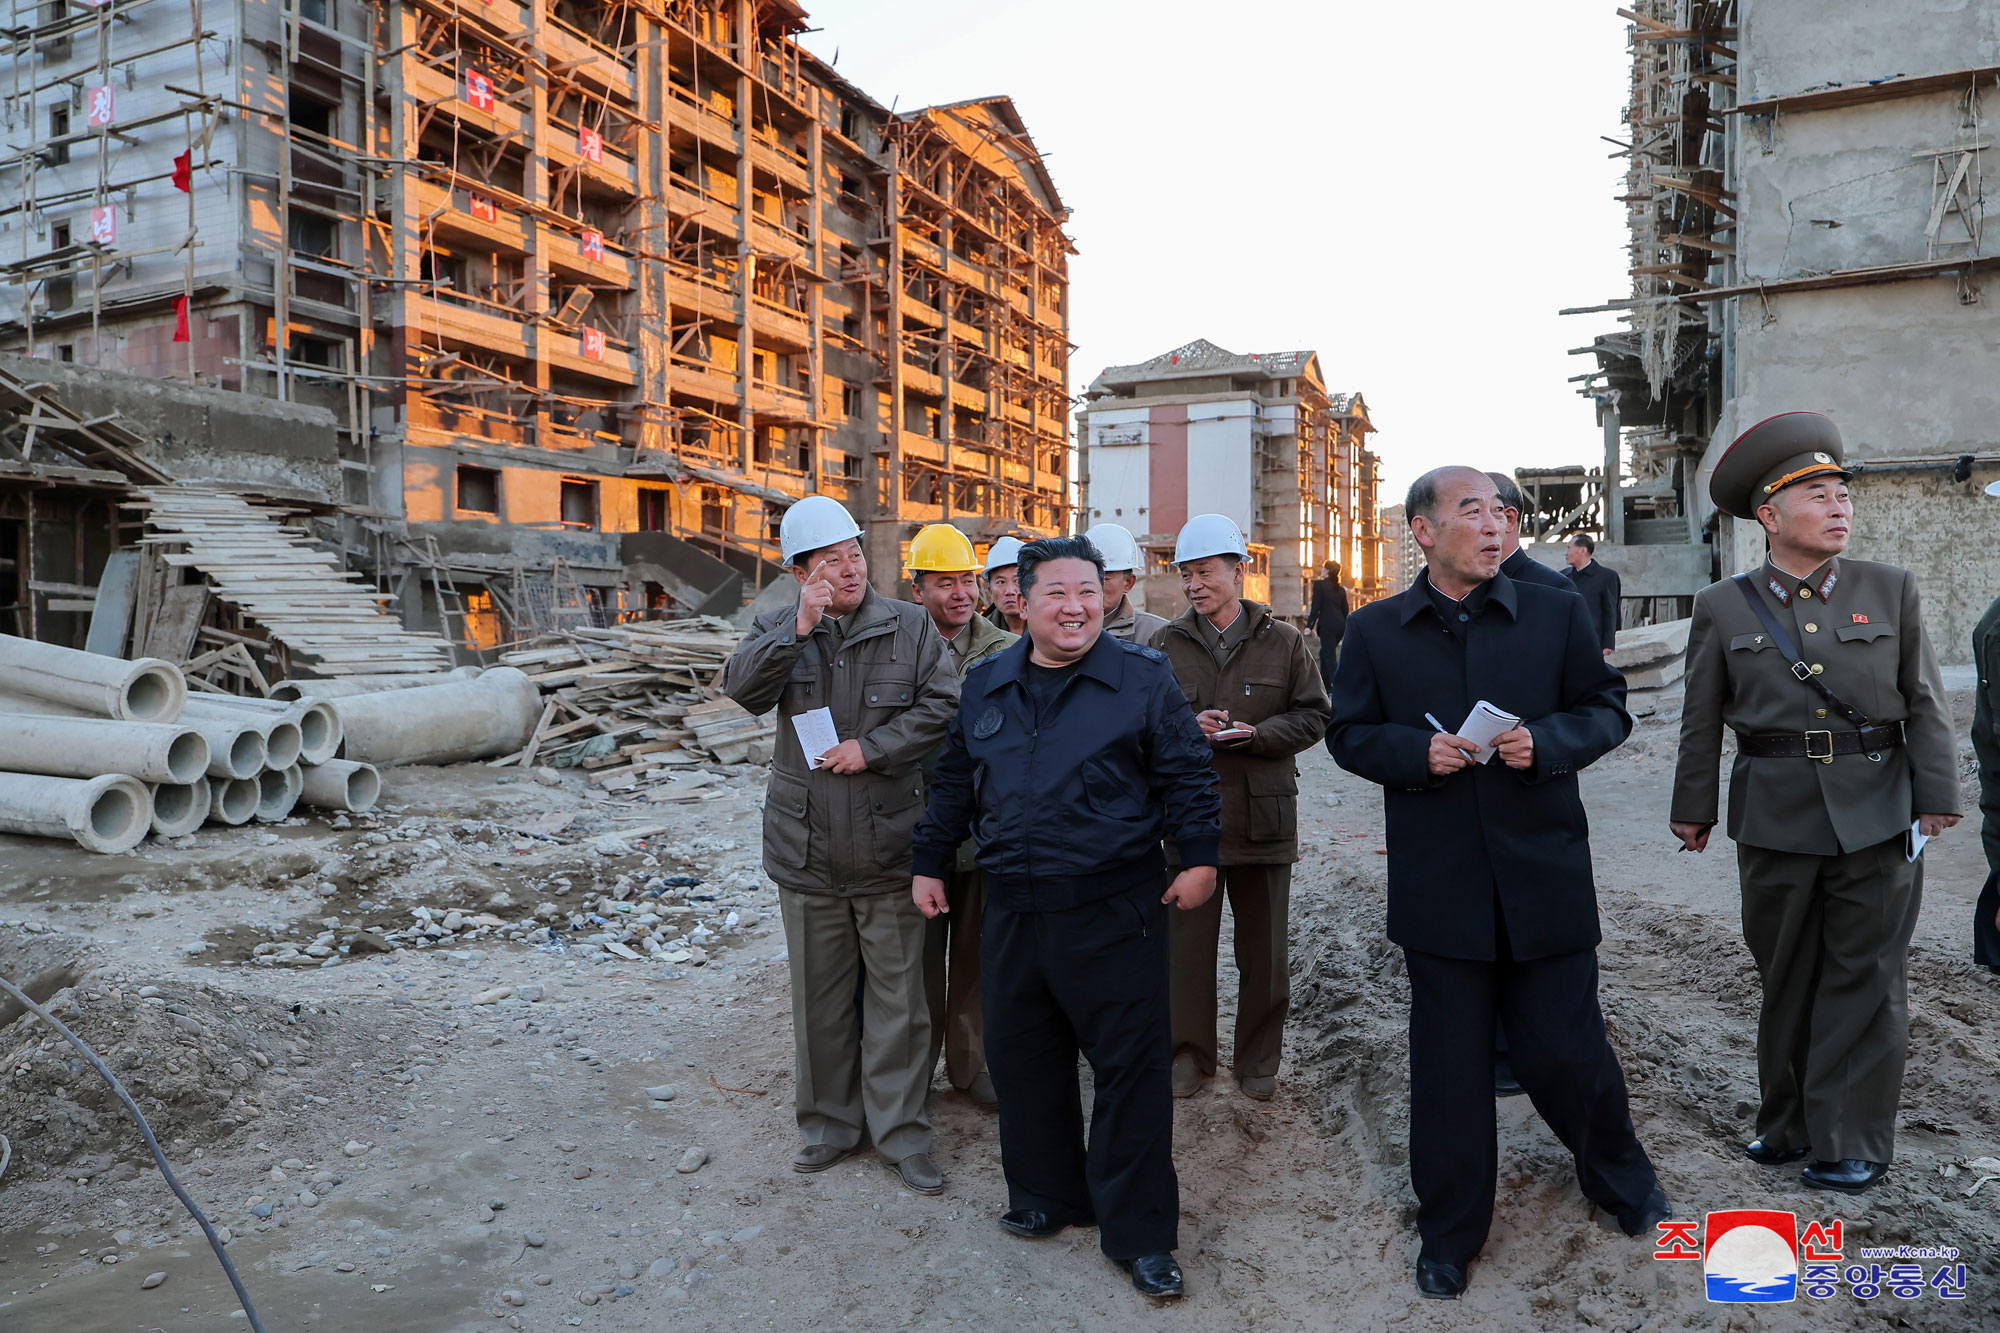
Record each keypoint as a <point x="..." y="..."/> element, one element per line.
<point x="593" y="290"/>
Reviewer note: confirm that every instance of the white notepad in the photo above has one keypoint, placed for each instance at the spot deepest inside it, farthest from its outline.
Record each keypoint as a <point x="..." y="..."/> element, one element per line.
<point x="1485" y="722"/>
<point x="1917" y="839"/>
<point x="817" y="734"/>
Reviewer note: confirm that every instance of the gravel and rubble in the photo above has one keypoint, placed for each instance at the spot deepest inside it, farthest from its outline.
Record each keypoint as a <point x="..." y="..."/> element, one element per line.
<point x="506" y="1054"/>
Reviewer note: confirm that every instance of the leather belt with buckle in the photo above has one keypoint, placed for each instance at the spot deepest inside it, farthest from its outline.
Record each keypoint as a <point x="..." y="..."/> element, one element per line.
<point x="1822" y="745"/>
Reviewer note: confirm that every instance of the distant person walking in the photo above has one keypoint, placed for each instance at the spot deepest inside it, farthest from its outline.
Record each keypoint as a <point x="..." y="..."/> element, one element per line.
<point x="1597" y="585"/>
<point x="1327" y="618"/>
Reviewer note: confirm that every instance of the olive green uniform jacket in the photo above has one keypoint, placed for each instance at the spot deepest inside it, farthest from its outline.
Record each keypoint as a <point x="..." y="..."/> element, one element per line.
<point x="1860" y="626"/>
<point x="1270" y="680"/>
<point x="1126" y="621"/>
<point x="891" y="683"/>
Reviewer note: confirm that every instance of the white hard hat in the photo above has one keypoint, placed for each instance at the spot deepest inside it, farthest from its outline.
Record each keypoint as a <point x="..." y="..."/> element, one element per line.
<point x="1210" y="534"/>
<point x="1114" y="542"/>
<point x="816" y="521"/>
<point x="1005" y="552"/>
<point x="1993" y="489"/>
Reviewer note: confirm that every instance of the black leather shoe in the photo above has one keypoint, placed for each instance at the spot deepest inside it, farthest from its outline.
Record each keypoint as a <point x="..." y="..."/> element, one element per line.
<point x="1439" y="1280"/>
<point x="1505" y="1085"/>
<point x="1033" y="1225"/>
<point x="1642" y="1220"/>
<point x="1849" y="1176"/>
<point x="1155" y="1275"/>
<point x="1763" y="1154"/>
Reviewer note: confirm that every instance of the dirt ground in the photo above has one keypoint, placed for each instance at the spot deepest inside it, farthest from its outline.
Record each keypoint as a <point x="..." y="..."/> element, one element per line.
<point x="445" y="1124"/>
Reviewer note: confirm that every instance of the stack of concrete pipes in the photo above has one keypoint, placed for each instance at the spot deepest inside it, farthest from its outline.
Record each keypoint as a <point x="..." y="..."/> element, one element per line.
<point x="106" y="751"/>
<point x="458" y="716"/>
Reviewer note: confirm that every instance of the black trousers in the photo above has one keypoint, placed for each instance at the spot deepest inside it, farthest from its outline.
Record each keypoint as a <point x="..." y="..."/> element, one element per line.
<point x="1329" y="657"/>
<point x="1092" y="979"/>
<point x="1556" y="1037"/>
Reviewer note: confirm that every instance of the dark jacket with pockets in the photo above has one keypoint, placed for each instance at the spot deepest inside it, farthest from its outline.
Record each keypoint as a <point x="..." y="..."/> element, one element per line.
<point x="1487" y="835"/>
<point x="1070" y="807"/>
<point x="1600" y="587"/>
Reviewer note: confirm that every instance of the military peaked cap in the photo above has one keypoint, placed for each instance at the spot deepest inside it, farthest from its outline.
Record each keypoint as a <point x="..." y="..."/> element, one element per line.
<point x="1775" y="453"/>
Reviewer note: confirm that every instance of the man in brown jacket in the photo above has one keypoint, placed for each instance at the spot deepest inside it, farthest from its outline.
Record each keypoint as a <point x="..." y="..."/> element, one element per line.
<point x="944" y="578"/>
<point x="1257" y="694"/>
<point x="1844" y="745"/>
<point x="837" y="831"/>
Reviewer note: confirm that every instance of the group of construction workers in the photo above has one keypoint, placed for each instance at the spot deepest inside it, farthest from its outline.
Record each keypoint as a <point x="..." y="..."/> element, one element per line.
<point x="1012" y="854"/>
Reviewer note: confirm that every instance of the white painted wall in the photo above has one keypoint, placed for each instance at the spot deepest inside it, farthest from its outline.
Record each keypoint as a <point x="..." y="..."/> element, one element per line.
<point x="1221" y="461"/>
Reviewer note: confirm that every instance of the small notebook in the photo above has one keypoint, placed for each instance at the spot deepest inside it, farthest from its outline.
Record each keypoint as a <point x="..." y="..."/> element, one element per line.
<point x="1917" y="840"/>
<point x="1485" y="722"/>
<point x="817" y="734"/>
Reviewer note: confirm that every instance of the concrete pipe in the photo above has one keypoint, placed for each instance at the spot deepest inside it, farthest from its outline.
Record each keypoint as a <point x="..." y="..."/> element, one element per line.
<point x="278" y="790"/>
<point x="233" y="800"/>
<point x="342" y="784"/>
<point x="235" y="749"/>
<point x="147" y="690"/>
<point x="319" y="731"/>
<point x="492" y="714"/>
<point x="343" y="686"/>
<point x="105" y="814"/>
<point x="276" y="722"/>
<point x="89" y="747"/>
<point x="179" y="808"/>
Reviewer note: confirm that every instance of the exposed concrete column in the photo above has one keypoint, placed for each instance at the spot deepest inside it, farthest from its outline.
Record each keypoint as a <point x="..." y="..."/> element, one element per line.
<point x="1614" y="502"/>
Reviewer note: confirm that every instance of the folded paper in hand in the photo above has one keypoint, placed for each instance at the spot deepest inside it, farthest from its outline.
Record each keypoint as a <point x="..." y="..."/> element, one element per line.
<point x="817" y="734"/>
<point x="1485" y="722"/>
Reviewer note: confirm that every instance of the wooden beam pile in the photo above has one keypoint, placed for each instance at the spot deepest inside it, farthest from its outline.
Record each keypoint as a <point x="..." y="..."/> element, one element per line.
<point x="630" y="704"/>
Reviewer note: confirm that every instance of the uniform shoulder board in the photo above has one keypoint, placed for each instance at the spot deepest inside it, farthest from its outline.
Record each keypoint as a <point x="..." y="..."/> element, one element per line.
<point x="1151" y="654"/>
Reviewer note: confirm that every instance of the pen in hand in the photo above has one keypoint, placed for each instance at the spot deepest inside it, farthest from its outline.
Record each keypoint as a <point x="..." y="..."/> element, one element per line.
<point x="1440" y="726"/>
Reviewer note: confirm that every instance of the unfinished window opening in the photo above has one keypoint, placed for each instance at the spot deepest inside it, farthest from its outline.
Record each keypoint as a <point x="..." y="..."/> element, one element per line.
<point x="850" y="467"/>
<point x="60" y="291"/>
<point x="327" y="352"/>
<point x="59" y="236"/>
<point x="65" y="351"/>
<point x="309" y="113"/>
<point x="652" y="509"/>
<point x="313" y="235"/>
<point x="57" y="152"/>
<point x="774" y="519"/>
<point x="850" y="401"/>
<point x="479" y="489"/>
<point x="317" y="11"/>
<point x="850" y="124"/>
<point x="579" y="504"/>
<point x="441" y="269"/>
<point x="714" y="513"/>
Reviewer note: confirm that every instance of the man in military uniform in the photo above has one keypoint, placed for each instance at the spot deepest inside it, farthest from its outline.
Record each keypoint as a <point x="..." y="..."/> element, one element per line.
<point x="837" y="838"/>
<point x="1821" y="666"/>
<point x="1122" y="620"/>
<point x="1986" y="745"/>
<point x="944" y="575"/>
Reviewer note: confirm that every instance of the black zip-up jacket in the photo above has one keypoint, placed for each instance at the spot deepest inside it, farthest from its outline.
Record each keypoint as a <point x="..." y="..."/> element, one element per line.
<point x="1071" y="807"/>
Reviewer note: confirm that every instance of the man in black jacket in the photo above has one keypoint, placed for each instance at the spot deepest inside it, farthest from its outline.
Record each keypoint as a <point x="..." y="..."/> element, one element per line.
<point x="1490" y="890"/>
<point x="1072" y="755"/>
<point x="1516" y="563"/>
<point x="1327" y="617"/>
<point x="1598" y="586"/>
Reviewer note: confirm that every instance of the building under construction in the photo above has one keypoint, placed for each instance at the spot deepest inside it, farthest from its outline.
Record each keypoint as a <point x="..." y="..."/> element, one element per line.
<point x="596" y="288"/>
<point x="1805" y="199"/>
<point x="1256" y="436"/>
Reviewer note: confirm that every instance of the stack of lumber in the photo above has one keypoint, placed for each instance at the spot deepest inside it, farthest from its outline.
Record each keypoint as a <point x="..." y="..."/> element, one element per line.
<point x="292" y="599"/>
<point x="629" y="704"/>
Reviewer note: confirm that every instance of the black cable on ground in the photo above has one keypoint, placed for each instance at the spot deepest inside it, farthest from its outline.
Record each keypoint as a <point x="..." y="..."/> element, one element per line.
<point x="214" y="1242"/>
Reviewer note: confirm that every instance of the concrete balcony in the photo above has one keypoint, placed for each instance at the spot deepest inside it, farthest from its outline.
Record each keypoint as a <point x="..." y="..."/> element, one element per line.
<point x="775" y="400"/>
<point x="462" y="321"/>
<point x="447" y="88"/>
<point x="706" y="123"/>
<point x="565" y="252"/>
<point x="781" y="162"/>
<point x="921" y="447"/>
<point x="587" y="61"/>
<point x="780" y="326"/>
<point x="703" y="379"/>
<point x="706" y="295"/>
<point x="617" y="171"/>
<point x="451" y="214"/>
<point x="564" y="349"/>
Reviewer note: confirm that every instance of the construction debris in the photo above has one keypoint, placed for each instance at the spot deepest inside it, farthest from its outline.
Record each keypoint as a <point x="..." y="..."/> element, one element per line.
<point x="632" y="704"/>
<point x="1653" y="658"/>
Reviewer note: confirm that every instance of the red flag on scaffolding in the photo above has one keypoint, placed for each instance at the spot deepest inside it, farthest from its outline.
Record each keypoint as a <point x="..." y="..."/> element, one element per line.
<point x="184" y="172"/>
<point x="181" y="334"/>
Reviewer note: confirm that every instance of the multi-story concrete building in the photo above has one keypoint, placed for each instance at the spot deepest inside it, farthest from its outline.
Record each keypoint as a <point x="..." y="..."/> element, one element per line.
<point x="598" y="287"/>
<point x="1806" y="208"/>
<point x="1255" y="436"/>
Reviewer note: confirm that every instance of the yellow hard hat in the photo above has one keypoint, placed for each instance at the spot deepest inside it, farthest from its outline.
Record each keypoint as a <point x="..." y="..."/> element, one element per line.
<point x="942" y="549"/>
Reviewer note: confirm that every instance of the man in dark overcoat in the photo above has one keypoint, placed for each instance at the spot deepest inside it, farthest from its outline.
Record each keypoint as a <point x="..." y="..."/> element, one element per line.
<point x="1490" y="889"/>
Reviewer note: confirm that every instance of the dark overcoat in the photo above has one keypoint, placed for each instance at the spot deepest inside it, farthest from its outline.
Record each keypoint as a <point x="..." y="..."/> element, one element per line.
<point x="1487" y="834"/>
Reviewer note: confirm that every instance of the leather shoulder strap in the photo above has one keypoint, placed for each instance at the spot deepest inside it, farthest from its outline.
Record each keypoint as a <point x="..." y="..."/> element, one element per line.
<point x="1785" y="645"/>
